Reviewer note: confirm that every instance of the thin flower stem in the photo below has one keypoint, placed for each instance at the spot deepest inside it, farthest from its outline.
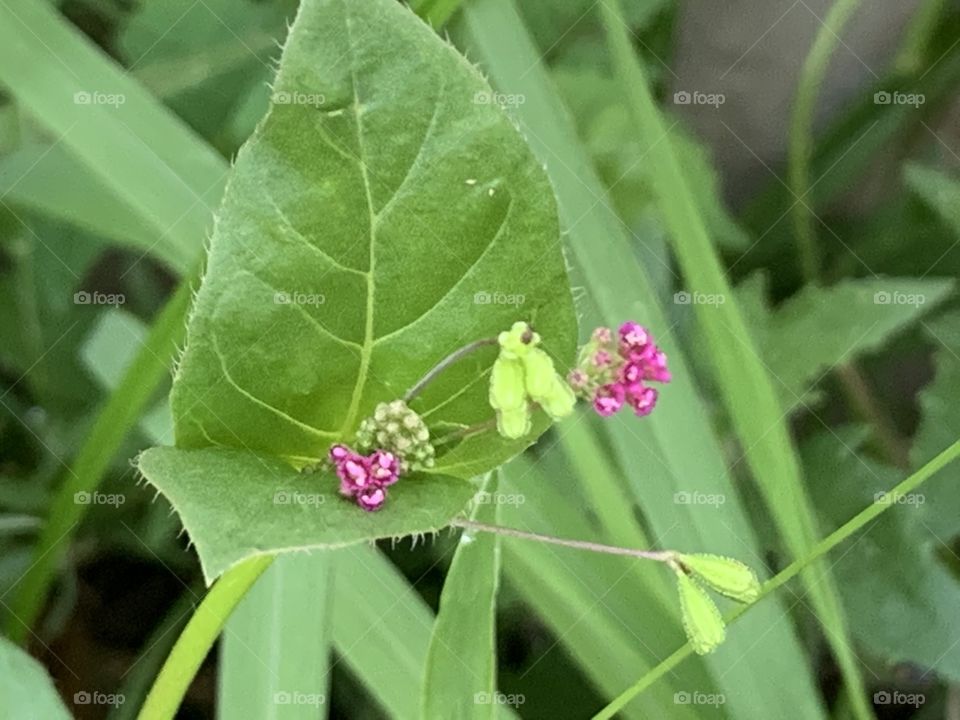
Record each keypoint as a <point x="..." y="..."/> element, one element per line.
<point x="658" y="555"/>
<point x="843" y="532"/>
<point x="444" y="364"/>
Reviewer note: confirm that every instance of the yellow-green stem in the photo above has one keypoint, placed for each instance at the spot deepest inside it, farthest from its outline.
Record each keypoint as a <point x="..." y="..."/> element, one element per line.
<point x="198" y="637"/>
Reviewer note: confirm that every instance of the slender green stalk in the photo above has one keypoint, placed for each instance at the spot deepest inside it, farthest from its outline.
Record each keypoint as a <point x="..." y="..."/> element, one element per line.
<point x="198" y="637"/>
<point x="799" y="160"/>
<point x="827" y="544"/>
<point x="916" y="43"/>
<point x="444" y="364"/>
<point x="800" y="150"/>
<point x="120" y="413"/>
<point x="745" y="385"/>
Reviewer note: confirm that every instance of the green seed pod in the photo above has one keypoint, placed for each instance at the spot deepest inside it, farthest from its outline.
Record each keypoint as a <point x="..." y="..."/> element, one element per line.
<point x="514" y="423"/>
<point x="560" y="401"/>
<point x="545" y="387"/>
<point x="701" y="619"/>
<point x="507" y="390"/>
<point x="540" y="373"/>
<point x="725" y="575"/>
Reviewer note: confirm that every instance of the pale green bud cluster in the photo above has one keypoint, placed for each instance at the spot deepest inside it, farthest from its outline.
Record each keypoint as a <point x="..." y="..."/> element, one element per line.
<point x="395" y="428"/>
<point x="523" y="373"/>
<point x="701" y="618"/>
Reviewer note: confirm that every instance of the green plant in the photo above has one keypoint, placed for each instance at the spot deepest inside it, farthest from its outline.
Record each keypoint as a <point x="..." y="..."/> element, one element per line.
<point x="387" y="341"/>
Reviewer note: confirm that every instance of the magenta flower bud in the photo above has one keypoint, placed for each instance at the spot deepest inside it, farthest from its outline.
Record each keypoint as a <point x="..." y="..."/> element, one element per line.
<point x="371" y="498"/>
<point x="633" y="335"/>
<point x="384" y="467"/>
<point x="612" y="370"/>
<point x="364" y="477"/>
<point x="339" y="453"/>
<point x="642" y="399"/>
<point x="657" y="368"/>
<point x="632" y="373"/>
<point x="609" y="399"/>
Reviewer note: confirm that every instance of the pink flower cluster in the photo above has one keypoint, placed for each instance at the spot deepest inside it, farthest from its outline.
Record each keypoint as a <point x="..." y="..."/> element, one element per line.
<point x="365" y="477"/>
<point x="615" y="371"/>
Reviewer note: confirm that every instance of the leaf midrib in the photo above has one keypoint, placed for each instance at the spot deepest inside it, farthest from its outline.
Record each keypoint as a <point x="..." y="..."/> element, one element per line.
<point x="366" y="349"/>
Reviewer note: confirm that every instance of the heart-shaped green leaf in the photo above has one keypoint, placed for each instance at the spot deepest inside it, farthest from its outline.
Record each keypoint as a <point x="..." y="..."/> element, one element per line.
<point x="385" y="213"/>
<point x="236" y="504"/>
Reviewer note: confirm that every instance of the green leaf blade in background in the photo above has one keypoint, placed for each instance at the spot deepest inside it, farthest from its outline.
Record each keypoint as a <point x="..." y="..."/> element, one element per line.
<point x="912" y="620"/>
<point x="153" y="162"/>
<point x="675" y="450"/>
<point x="274" y="658"/>
<point x="460" y="678"/>
<point x="381" y="629"/>
<point x="26" y="690"/>
<point x="745" y="386"/>
<point x="236" y="504"/>
<point x="938" y="190"/>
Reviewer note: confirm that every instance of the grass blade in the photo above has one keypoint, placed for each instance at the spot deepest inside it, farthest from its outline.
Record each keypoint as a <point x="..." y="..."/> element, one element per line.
<point x="275" y="654"/>
<point x="381" y="627"/>
<point x="675" y="451"/>
<point x="461" y="669"/>
<point x="743" y="379"/>
<point x="153" y="161"/>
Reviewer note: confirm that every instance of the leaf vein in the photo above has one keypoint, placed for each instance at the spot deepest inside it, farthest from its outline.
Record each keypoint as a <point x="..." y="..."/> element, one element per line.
<point x="325" y="434"/>
<point x="318" y="250"/>
<point x="320" y="327"/>
<point x="453" y="288"/>
<point x="415" y="165"/>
